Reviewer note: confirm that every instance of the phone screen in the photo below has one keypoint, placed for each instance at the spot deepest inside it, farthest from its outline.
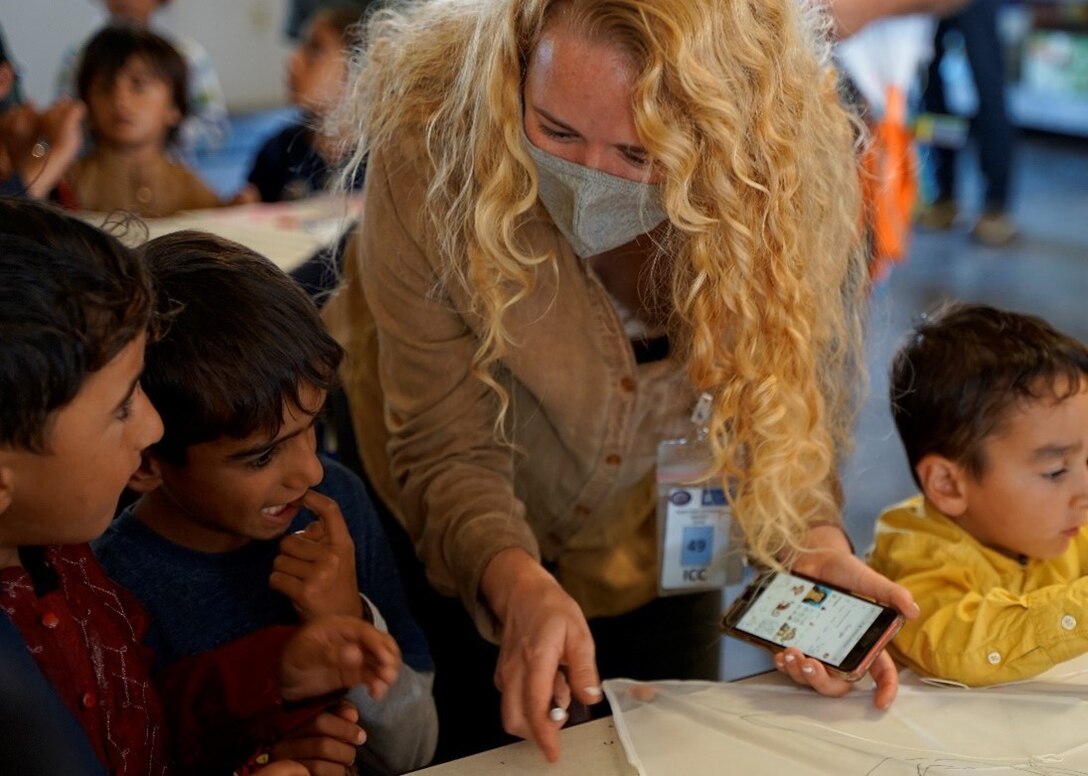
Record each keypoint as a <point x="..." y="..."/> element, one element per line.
<point x="817" y="619"/>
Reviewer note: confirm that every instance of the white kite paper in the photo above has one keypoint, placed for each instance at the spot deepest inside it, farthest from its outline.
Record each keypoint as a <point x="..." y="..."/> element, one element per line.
<point x="692" y="728"/>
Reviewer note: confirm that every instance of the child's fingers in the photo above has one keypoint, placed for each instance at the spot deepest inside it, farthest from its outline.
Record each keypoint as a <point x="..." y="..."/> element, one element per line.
<point x="331" y="749"/>
<point x="383" y="651"/>
<point x="311" y="597"/>
<point x="288" y="585"/>
<point x="383" y="661"/>
<point x="328" y="581"/>
<point x="302" y="546"/>
<point x="376" y="677"/>
<point x="378" y="661"/>
<point x="346" y="711"/>
<point x="332" y="520"/>
<point x="315" y="532"/>
<point x="324" y="768"/>
<point x="331" y="653"/>
<point x="283" y="768"/>
<point x="334" y="722"/>
<point x="327" y="738"/>
<point x="292" y="567"/>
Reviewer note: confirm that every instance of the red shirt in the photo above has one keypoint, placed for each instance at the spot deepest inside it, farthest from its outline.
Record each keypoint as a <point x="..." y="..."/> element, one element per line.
<point x="86" y="635"/>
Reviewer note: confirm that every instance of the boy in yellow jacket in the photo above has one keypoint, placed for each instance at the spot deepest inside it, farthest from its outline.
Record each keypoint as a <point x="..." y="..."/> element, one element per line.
<point x="992" y="410"/>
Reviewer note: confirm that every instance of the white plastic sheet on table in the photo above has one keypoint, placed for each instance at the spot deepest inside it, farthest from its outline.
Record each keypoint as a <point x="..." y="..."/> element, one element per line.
<point x="692" y="728"/>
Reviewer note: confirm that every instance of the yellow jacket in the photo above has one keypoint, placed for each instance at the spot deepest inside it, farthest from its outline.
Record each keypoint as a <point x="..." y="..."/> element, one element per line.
<point x="986" y="617"/>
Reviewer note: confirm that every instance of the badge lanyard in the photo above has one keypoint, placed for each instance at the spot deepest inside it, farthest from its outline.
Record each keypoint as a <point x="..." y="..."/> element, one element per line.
<point x="699" y="547"/>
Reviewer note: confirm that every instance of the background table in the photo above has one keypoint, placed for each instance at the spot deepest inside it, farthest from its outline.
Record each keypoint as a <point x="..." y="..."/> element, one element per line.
<point x="288" y="233"/>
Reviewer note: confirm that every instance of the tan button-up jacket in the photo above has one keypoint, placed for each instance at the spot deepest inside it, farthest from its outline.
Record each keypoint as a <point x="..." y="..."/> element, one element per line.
<point x="578" y="487"/>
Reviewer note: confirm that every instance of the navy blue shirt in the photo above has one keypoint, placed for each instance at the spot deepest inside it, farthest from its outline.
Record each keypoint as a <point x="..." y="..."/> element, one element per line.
<point x="199" y="601"/>
<point x="288" y="167"/>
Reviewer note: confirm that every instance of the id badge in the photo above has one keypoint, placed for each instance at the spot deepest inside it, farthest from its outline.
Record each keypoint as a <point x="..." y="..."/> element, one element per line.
<point x="698" y="548"/>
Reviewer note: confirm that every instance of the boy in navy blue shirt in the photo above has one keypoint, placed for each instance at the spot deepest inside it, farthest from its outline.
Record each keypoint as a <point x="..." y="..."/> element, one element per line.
<point x="241" y="524"/>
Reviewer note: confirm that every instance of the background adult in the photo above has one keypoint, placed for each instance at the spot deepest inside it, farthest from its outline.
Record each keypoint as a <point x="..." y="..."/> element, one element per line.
<point x="849" y="16"/>
<point x="991" y="127"/>
<point x="581" y="214"/>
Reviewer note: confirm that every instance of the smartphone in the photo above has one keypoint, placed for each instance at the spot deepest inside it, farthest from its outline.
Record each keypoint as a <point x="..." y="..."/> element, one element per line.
<point x="842" y="630"/>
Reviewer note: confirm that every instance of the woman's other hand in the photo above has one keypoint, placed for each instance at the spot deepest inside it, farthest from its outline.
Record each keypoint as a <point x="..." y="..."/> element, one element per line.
<point x="832" y="560"/>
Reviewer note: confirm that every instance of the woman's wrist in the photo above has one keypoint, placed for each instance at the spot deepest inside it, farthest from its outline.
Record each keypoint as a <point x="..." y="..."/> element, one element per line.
<point x="827" y="535"/>
<point x="506" y="574"/>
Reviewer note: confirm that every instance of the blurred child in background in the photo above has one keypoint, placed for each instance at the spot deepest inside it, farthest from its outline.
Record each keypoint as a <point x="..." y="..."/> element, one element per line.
<point x="134" y="85"/>
<point x="205" y="126"/>
<point x="299" y="161"/>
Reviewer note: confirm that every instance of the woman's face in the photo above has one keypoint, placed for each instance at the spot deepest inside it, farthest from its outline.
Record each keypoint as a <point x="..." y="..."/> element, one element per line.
<point x="578" y="105"/>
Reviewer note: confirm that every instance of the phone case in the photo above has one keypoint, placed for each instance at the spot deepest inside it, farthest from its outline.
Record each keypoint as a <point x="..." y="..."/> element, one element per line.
<point x="744" y="600"/>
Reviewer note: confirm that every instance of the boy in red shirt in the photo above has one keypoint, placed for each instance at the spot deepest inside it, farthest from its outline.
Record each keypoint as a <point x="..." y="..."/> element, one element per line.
<point x="74" y="312"/>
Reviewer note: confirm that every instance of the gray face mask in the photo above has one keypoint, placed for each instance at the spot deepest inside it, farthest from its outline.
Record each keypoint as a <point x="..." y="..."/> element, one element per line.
<point x="595" y="211"/>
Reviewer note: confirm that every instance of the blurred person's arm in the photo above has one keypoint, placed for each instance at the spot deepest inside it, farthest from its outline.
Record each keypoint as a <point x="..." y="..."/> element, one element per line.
<point x="40" y="147"/>
<point x="850" y="16"/>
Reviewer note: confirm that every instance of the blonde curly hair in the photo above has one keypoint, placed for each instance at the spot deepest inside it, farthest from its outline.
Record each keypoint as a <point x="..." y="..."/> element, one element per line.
<point x="736" y="104"/>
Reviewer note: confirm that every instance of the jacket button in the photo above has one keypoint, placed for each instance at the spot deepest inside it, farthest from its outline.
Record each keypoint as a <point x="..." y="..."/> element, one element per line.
<point x="1069" y="622"/>
<point x="613" y="460"/>
<point x="994" y="658"/>
<point x="581" y="509"/>
<point x="627" y="385"/>
<point x="50" y="620"/>
<point x="88" y="701"/>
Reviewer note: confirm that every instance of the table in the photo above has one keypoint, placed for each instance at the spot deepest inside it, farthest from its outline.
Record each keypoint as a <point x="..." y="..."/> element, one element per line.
<point x="589" y="748"/>
<point x="288" y="233"/>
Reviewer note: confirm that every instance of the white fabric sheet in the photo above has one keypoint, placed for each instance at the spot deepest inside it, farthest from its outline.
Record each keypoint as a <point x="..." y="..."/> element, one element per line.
<point x="692" y="728"/>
